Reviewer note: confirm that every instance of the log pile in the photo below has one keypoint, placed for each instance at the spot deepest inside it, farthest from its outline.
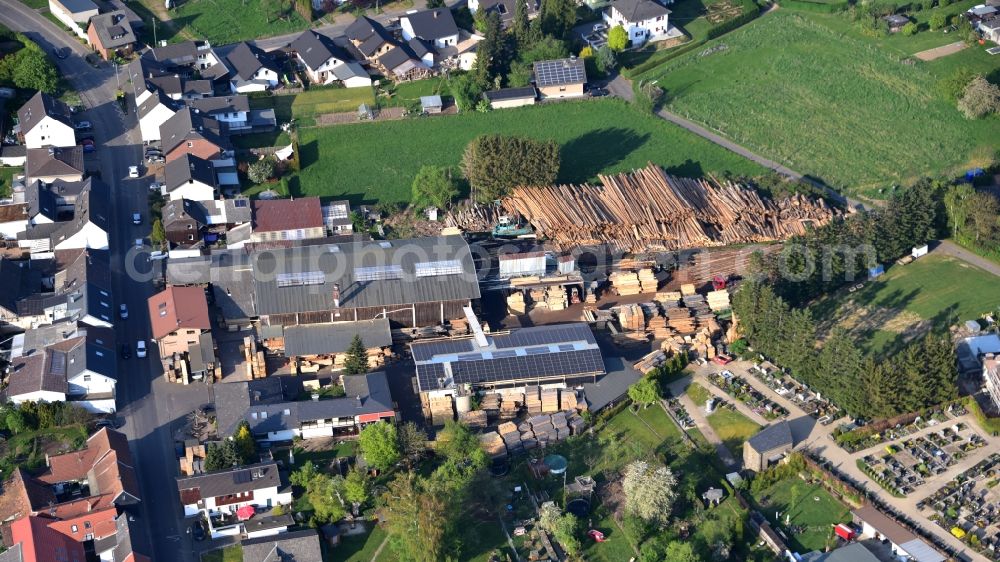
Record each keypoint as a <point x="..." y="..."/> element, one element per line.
<point x="680" y="320"/>
<point x="475" y="419"/>
<point x="649" y="209"/>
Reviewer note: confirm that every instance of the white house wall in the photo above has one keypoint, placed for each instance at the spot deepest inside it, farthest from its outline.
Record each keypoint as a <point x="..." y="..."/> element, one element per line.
<point x="39" y="396"/>
<point x="358" y="82"/>
<point x="50" y="132"/>
<point x="196" y="191"/>
<point x="98" y="383"/>
<point x="10" y="229"/>
<point x="149" y="125"/>
<point x="90" y="236"/>
<point x="103" y="406"/>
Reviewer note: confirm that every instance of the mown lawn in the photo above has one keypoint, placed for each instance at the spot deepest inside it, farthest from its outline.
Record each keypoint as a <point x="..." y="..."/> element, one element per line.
<point x="805" y="505"/>
<point x="229" y="21"/>
<point x="7" y="174"/>
<point x="358" y="548"/>
<point x="733" y="428"/>
<point x="826" y="103"/>
<point x="232" y="553"/>
<point x="935" y="292"/>
<point x="317" y="101"/>
<point x="367" y="162"/>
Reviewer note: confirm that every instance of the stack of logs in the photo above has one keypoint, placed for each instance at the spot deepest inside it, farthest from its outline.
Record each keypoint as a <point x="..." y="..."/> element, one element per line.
<point x="649" y="209"/>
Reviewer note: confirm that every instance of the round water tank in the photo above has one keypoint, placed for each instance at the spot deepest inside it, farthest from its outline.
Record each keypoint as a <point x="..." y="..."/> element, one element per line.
<point x="463" y="404"/>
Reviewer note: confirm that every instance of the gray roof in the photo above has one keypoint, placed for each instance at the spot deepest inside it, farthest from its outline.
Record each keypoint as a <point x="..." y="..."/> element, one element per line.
<point x="51" y="368"/>
<point x="268" y="404"/>
<point x="638" y="10"/>
<point x="560" y="72"/>
<point x="315" y="49"/>
<point x="176" y="53"/>
<point x="113" y="29"/>
<point x="78" y="6"/>
<point x="187" y="169"/>
<point x="123" y="536"/>
<point x="430" y="101"/>
<point x="12" y="554"/>
<point x="368" y="274"/>
<point x="186" y="125"/>
<point x="267" y="522"/>
<point x="554" y="352"/>
<point x="396" y="57"/>
<point x="335" y="337"/>
<point x="183" y="210"/>
<point x="197" y="87"/>
<point x="166" y="83"/>
<point x="510" y="93"/>
<point x="91" y="206"/>
<point x="18" y="279"/>
<point x="246" y="59"/>
<point x="852" y="552"/>
<point x="299" y="546"/>
<point x="419" y="47"/>
<point x="45" y="162"/>
<point x="220" y="104"/>
<point x="432" y="24"/>
<point x="507" y="8"/>
<point x="230" y="274"/>
<point x="232" y="481"/>
<point x="772" y="437"/>
<point x="350" y="70"/>
<point x="47" y="199"/>
<point x="369" y="34"/>
<point x="152" y="102"/>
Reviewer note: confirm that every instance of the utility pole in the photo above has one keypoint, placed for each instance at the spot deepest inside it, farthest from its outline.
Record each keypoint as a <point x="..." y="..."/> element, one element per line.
<point x="117" y="80"/>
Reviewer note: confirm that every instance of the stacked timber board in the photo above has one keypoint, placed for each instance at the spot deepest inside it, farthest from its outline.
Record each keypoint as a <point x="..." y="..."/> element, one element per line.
<point x="718" y="300"/>
<point x="649" y="209"/>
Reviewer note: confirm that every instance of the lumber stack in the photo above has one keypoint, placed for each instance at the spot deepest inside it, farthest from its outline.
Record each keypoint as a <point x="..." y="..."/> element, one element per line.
<point x="649" y="209"/>
<point x="474" y="419"/>
<point x="441" y="409"/>
<point x="538" y="298"/>
<point x="490" y="403"/>
<point x="718" y="300"/>
<point x="688" y="289"/>
<point x="550" y="400"/>
<point x="532" y="402"/>
<point x="668" y="297"/>
<point x="625" y="283"/>
<point x="516" y="304"/>
<point x="647" y="280"/>
<point x="493" y="444"/>
<point x="680" y="320"/>
<point x="650" y="361"/>
<point x="511" y="437"/>
<point x="555" y="298"/>
<point x="657" y="326"/>
<point x="568" y="399"/>
<point x="631" y="318"/>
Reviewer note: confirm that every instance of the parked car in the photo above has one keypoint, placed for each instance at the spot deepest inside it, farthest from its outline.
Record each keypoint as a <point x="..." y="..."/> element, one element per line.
<point x="155" y="159"/>
<point x="123" y="311"/>
<point x="110" y="423"/>
<point x="61" y="54"/>
<point x="136" y="218"/>
<point x="126" y="351"/>
<point x="152" y="150"/>
<point x="133" y="171"/>
<point x="88" y="145"/>
<point x="155" y="186"/>
<point x="598" y="92"/>
<point x="140" y="349"/>
<point x="198" y="531"/>
<point x="82" y="126"/>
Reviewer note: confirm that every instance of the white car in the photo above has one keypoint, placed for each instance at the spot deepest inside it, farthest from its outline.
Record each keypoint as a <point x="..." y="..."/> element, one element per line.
<point x="123" y="312"/>
<point x="136" y="218"/>
<point x="157" y="255"/>
<point x="155" y="186"/>
<point x="133" y="171"/>
<point x="140" y="348"/>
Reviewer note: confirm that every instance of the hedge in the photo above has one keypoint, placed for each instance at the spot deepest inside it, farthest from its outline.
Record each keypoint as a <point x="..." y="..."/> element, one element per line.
<point x="821" y="7"/>
<point x="749" y="13"/>
<point x="655" y="60"/>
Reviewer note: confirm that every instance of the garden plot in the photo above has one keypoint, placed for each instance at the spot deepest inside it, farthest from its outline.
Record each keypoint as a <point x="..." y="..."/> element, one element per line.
<point x="904" y="466"/>
<point x="969" y="506"/>
<point x="740" y="389"/>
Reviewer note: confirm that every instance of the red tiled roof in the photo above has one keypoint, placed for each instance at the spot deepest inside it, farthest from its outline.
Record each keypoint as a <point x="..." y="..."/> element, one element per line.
<point x="100" y="523"/>
<point x="22" y="495"/>
<point x="273" y="215"/>
<point x="106" y="463"/>
<point x="177" y="308"/>
<point x="39" y="543"/>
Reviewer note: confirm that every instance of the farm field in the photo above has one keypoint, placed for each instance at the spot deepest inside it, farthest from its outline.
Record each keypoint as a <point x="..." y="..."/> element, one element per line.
<point x="932" y="292"/>
<point x="366" y="162"/>
<point x="826" y="103"/>
<point x="229" y="21"/>
<point x="808" y="506"/>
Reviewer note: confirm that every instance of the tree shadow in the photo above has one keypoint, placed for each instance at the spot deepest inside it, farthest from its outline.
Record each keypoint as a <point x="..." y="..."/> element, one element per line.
<point x="591" y="153"/>
<point x="688" y="169"/>
<point x="308" y="154"/>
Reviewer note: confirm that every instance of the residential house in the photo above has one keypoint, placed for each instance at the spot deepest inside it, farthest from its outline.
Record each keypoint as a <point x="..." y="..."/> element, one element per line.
<point x="77" y="485"/>
<point x="561" y="354"/>
<point x="352" y="75"/>
<point x="560" y="78"/>
<point x="319" y="56"/>
<point x="97" y="527"/>
<point x="198" y="223"/>
<point x="222" y="493"/>
<point x="414" y="283"/>
<point x="436" y="26"/>
<point x="81" y="292"/>
<point x="767" y="447"/>
<point x="510" y="97"/>
<point x="253" y="70"/>
<point x="287" y="219"/>
<point x="111" y="35"/>
<point x="45" y="121"/>
<point x="299" y="546"/>
<point x="505" y="8"/>
<point x="903" y="544"/>
<point x="369" y="37"/>
<point x="972" y="350"/>
<point x="401" y="63"/>
<point x="74" y="14"/>
<point x="270" y="407"/>
<point x="643" y="20"/>
<point x="58" y="223"/>
<point x="179" y="319"/>
<point x="54" y="163"/>
<point x="198" y="55"/>
<point x="189" y="177"/>
<point x="78" y="369"/>
<point x="122" y="549"/>
<point x="184" y="222"/>
<point x="153" y="108"/>
<point x="232" y="111"/>
<point x="187" y="132"/>
<point x="19" y="279"/>
<point x="13" y="155"/>
<point x="34" y="541"/>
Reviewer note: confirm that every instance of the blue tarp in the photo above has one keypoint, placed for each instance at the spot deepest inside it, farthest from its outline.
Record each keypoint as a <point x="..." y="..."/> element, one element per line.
<point x="876" y="271"/>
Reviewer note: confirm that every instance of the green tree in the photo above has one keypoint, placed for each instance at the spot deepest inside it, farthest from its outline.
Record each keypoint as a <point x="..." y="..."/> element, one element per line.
<point x="379" y="444"/>
<point x="33" y="70"/>
<point x="432" y="4"/>
<point x="158" y="235"/>
<point x="681" y="552"/>
<point x="417" y="522"/>
<point x="557" y="18"/>
<point x="434" y="186"/>
<point x="412" y="441"/>
<point x="564" y="527"/>
<point x="956" y="201"/>
<point x="953" y="87"/>
<point x="261" y="170"/>
<point x="520" y="27"/>
<point x="937" y="20"/>
<point x="617" y="38"/>
<point x="645" y="391"/>
<point x="356" y="362"/>
<point x="491" y="57"/>
<point x="356" y="486"/>
<point x="465" y="91"/>
<point x="246" y="445"/>
<point x="649" y="492"/>
<point x="980" y="98"/>
<point x="220" y="457"/>
<point x="15" y="421"/>
<point x="909" y="29"/>
<point x="983" y="212"/>
<point x="322" y="492"/>
<point x="494" y="164"/>
<point x="606" y="59"/>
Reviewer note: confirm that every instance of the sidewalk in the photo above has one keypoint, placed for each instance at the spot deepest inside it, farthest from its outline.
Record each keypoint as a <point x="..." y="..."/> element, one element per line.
<point x="701" y="421"/>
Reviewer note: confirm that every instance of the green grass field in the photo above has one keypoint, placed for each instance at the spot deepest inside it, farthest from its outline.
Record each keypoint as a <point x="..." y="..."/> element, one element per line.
<point x="317" y="101"/>
<point x="807" y="505"/>
<point x="733" y="428"/>
<point x="933" y="292"/>
<point x="232" y="553"/>
<point x="229" y="21"/>
<point x="358" y="548"/>
<point x="7" y="174"/>
<point x="826" y="103"/>
<point x="369" y="162"/>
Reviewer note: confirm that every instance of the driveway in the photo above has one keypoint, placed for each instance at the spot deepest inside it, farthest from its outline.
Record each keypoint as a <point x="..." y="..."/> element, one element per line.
<point x="949" y="248"/>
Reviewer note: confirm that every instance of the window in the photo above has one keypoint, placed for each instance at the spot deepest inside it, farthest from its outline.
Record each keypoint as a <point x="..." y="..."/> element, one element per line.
<point x="432" y="268"/>
<point x="86" y="378"/>
<point x="86" y="524"/>
<point x="89" y="537"/>
<point x="74" y="528"/>
<point x="190" y="144"/>
<point x="378" y="273"/>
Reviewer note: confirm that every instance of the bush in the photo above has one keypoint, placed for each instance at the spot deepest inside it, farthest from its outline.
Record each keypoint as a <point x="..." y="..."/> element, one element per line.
<point x="909" y="29"/>
<point x="938" y="20"/>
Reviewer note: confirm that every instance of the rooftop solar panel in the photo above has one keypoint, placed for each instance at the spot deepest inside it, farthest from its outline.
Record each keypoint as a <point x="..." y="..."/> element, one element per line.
<point x="559" y="72"/>
<point x="550" y="365"/>
<point x="378" y="273"/>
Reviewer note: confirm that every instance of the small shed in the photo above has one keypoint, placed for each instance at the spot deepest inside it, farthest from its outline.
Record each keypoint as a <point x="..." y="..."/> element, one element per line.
<point x="919" y="251"/>
<point x="431" y="104"/>
<point x="713" y="496"/>
<point x="510" y="97"/>
<point x="896" y="22"/>
<point x="877" y="271"/>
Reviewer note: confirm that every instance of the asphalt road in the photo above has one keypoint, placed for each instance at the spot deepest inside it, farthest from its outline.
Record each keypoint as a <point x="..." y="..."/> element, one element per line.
<point x="150" y="407"/>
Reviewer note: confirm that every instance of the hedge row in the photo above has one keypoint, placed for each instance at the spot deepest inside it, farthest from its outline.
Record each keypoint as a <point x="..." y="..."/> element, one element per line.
<point x="749" y="13"/>
<point x="657" y="59"/>
<point x="820" y="7"/>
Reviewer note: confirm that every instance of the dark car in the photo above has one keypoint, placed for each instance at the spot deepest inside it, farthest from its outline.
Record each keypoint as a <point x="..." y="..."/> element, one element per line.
<point x="198" y="531"/>
<point x="598" y="92"/>
<point x="62" y="53"/>
<point x="155" y="158"/>
<point x="88" y="145"/>
<point x="126" y="351"/>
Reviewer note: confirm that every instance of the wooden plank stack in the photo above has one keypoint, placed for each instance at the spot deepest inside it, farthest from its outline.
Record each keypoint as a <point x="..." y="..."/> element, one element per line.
<point x="648" y="281"/>
<point x="649" y="209"/>
<point x="510" y="405"/>
<point x="475" y="419"/>
<point x="568" y="399"/>
<point x="631" y="318"/>
<point x="493" y="444"/>
<point x="441" y="409"/>
<point x="625" y="283"/>
<point x="688" y="289"/>
<point x="490" y="403"/>
<point x="650" y="361"/>
<point x="550" y="400"/>
<point x="555" y="298"/>
<point x="511" y="437"/>
<point x="718" y="300"/>
<point x="531" y="400"/>
<point x="516" y="304"/>
<point x="668" y="297"/>
<point x="680" y="320"/>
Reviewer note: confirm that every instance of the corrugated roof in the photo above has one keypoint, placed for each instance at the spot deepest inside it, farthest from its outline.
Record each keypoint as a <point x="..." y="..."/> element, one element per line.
<point x="335" y="337"/>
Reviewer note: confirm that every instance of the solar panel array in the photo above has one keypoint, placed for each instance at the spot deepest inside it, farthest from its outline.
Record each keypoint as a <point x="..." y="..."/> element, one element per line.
<point x="432" y="268"/>
<point x="242" y="477"/>
<point x="425" y="351"/>
<point x="547" y="336"/>
<point x="301" y="278"/>
<point x="506" y="369"/>
<point x="558" y="72"/>
<point x="378" y="273"/>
